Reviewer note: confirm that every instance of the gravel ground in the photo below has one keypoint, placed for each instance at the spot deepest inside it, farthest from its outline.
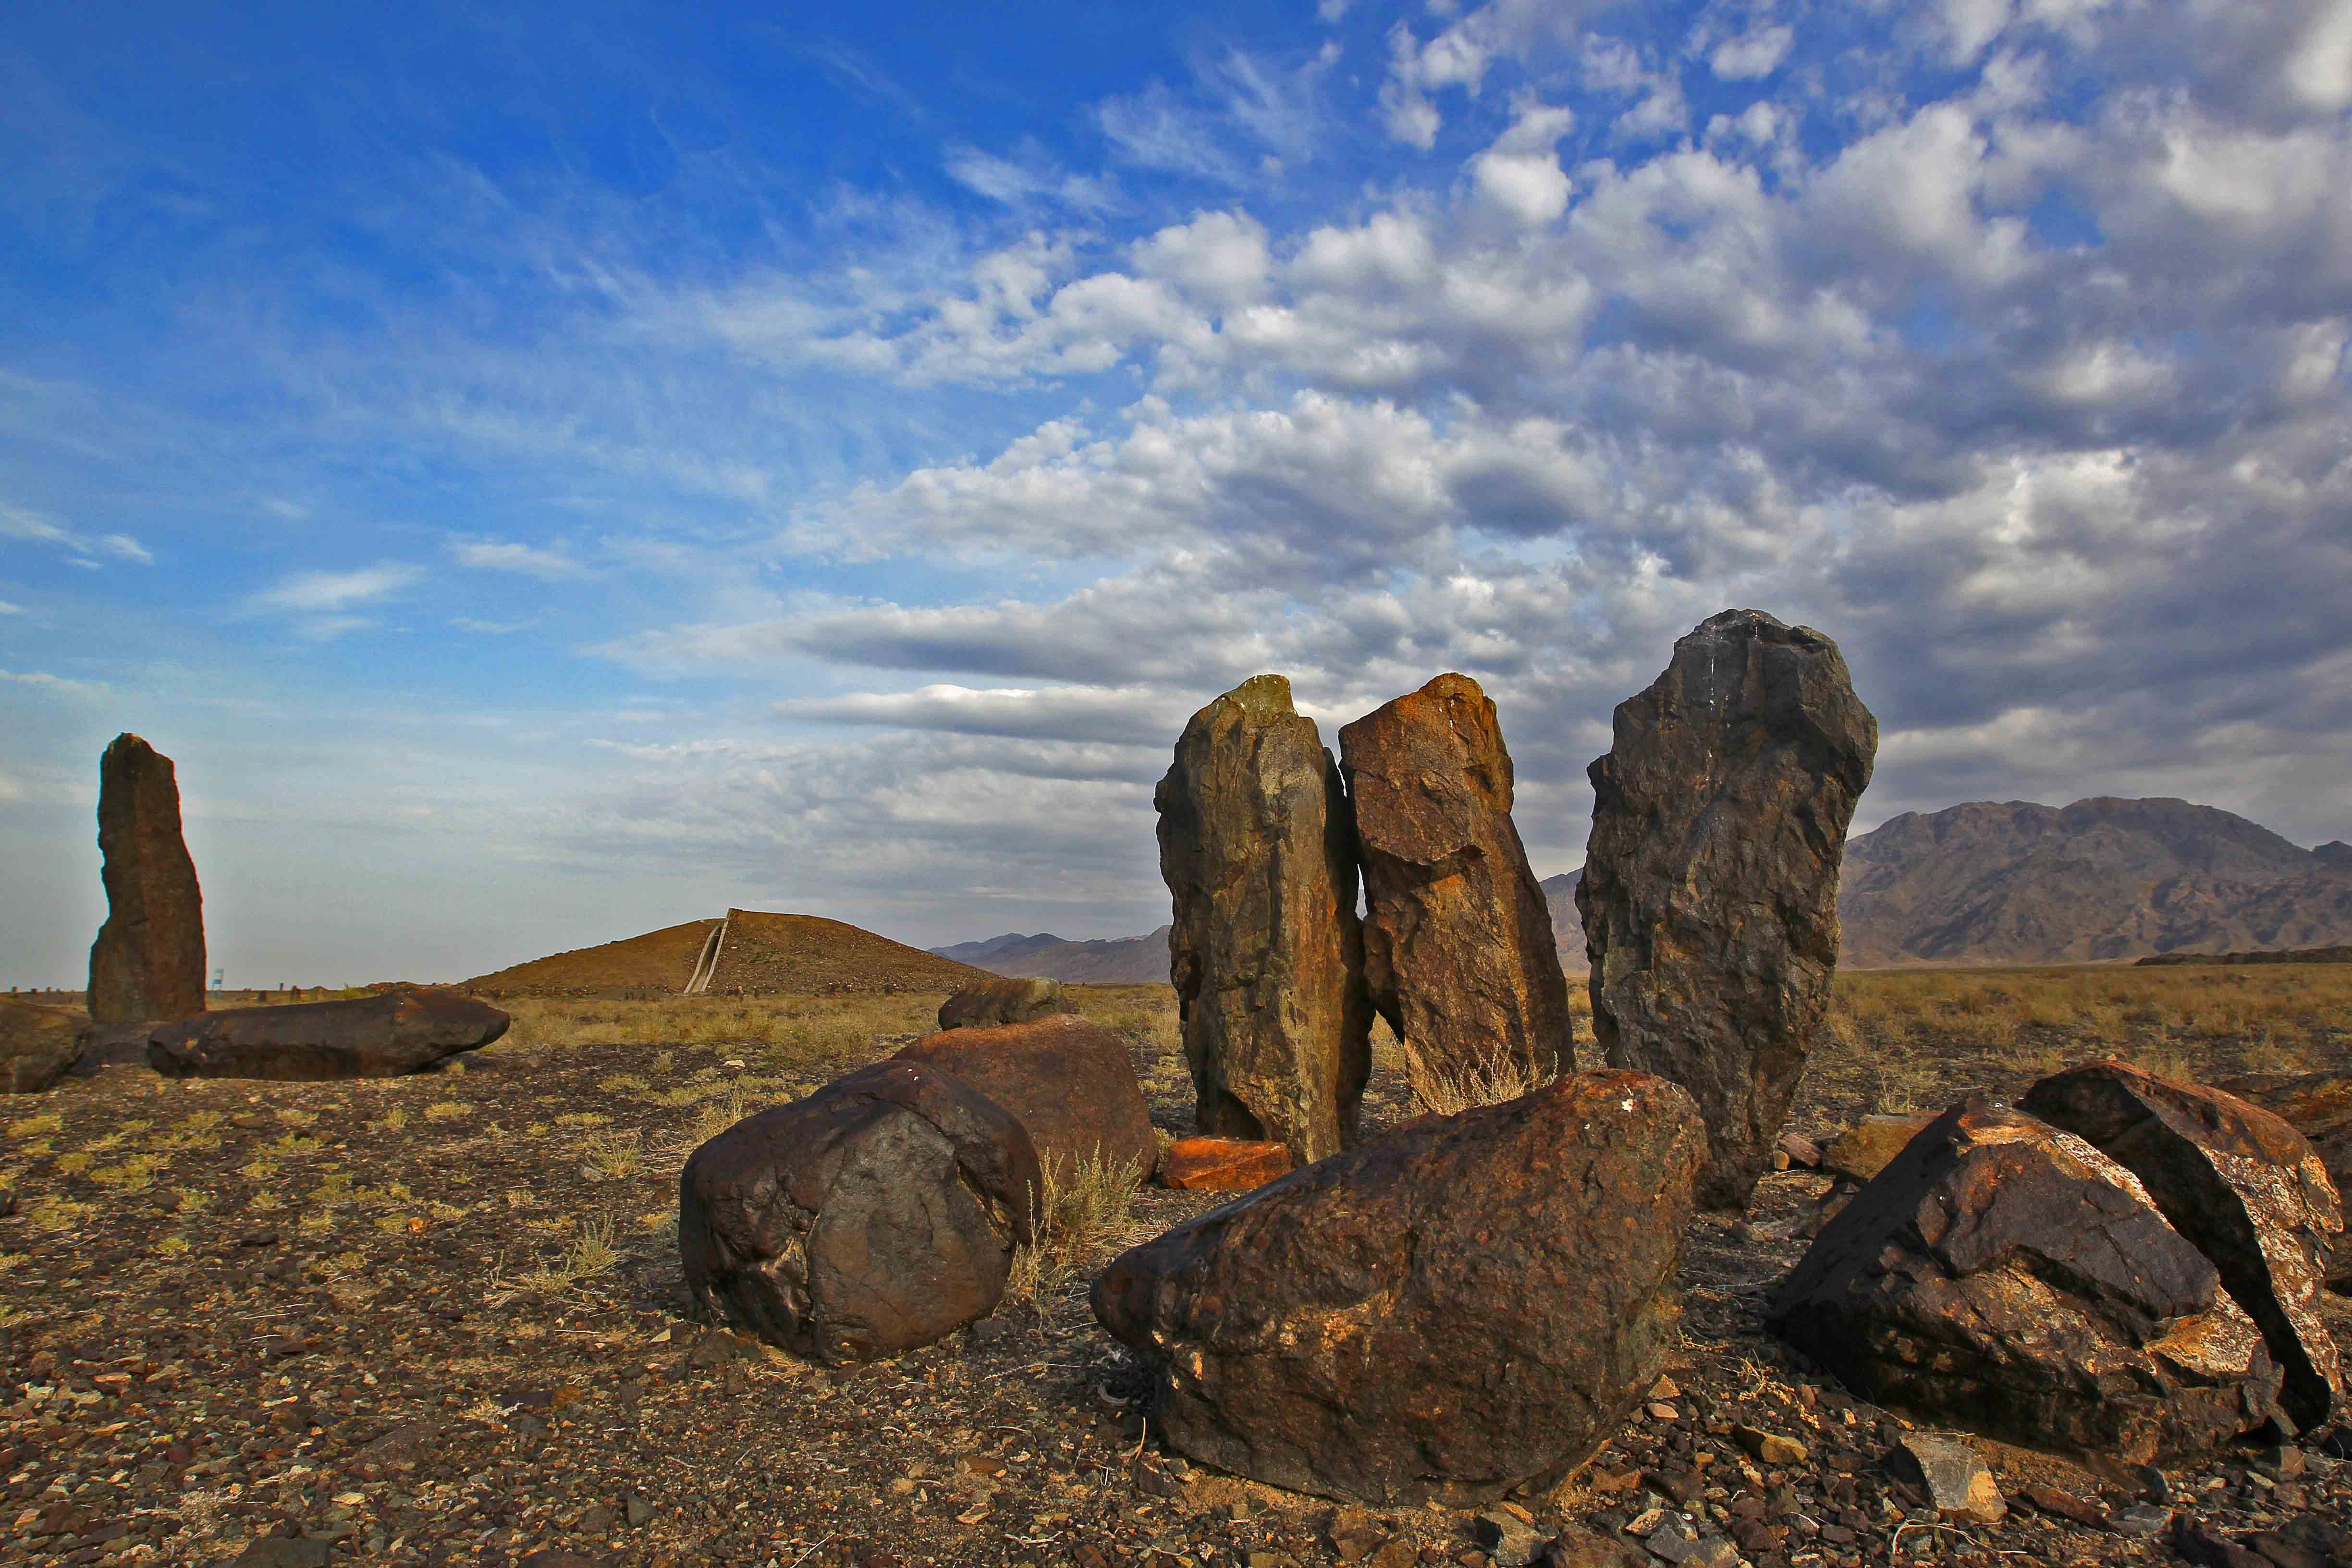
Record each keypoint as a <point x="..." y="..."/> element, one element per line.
<point x="438" y="1319"/>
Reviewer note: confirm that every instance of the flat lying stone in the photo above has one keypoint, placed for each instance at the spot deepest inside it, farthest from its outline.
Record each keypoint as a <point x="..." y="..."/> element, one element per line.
<point x="367" y="1036"/>
<point x="1954" y="1476"/>
<point x="1223" y="1165"/>
<point x="1010" y="1000"/>
<point x="1862" y="1150"/>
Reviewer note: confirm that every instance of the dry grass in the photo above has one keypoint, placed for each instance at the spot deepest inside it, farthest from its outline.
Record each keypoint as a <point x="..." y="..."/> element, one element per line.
<point x="1085" y="1207"/>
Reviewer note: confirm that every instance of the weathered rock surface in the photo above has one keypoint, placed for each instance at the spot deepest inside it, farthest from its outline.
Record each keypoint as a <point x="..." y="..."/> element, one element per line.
<point x="877" y="1215"/>
<point x="148" y="961"/>
<point x="38" y="1044"/>
<point x="1460" y="1306"/>
<point x="365" y="1037"/>
<point x="2004" y="1277"/>
<point x="2241" y="1185"/>
<point x="1953" y="1476"/>
<point x="1258" y="848"/>
<point x="1071" y="1083"/>
<point x="1709" y="893"/>
<point x="1223" y="1165"/>
<point x="1458" y="947"/>
<point x="1008" y="1001"/>
<point x="1860" y="1152"/>
<point x="2319" y="1105"/>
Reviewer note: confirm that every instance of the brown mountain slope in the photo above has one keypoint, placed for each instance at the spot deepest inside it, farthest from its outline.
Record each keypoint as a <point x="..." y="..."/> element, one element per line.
<point x="810" y="954"/>
<point x="663" y="960"/>
<point x="2101" y="878"/>
<point x="1113" y="961"/>
<point x="761" y="951"/>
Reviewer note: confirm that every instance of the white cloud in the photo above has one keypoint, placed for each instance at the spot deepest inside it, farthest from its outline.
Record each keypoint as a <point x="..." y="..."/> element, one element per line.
<point x="1756" y="53"/>
<point x="53" y="684"/>
<point x="1520" y="174"/>
<point x="83" y="549"/>
<point x="548" y="565"/>
<point x="8" y="609"/>
<point x="319" y="591"/>
<point x="1099" y="713"/>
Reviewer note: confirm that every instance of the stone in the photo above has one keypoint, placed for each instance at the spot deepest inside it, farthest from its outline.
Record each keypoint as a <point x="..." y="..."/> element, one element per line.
<point x="1509" y="1541"/>
<point x="1801" y="1152"/>
<point x="2065" y="1505"/>
<point x="1071" y="1083"/>
<point x="2193" y="1542"/>
<point x="2005" y="1278"/>
<point x="1258" y="848"/>
<point x="38" y="1044"/>
<point x="2140" y="1521"/>
<point x="148" y="961"/>
<point x="2241" y="1185"/>
<point x="1222" y="1164"/>
<point x="1010" y="1000"/>
<point x="2319" y="1105"/>
<point x="1458" y="949"/>
<point x="396" y="1452"/>
<point x="876" y="1215"/>
<point x="1771" y="1447"/>
<point x="1956" y="1480"/>
<point x="1860" y="1152"/>
<point x="284" y="1551"/>
<point x="1709" y="892"/>
<point x="1459" y="1308"/>
<point x="365" y="1037"/>
<point x="1577" y="1547"/>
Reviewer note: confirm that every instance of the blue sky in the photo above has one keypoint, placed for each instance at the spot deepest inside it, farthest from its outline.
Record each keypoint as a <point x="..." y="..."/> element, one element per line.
<point x="546" y="473"/>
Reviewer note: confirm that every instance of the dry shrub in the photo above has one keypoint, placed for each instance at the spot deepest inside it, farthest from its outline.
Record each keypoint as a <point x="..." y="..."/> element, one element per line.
<point x="1493" y="1081"/>
<point x="1086" y="1204"/>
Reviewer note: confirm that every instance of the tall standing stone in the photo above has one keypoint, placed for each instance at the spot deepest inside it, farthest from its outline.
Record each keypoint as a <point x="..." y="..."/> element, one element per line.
<point x="1458" y="949"/>
<point x="1709" y="893"/>
<point x="1258" y="849"/>
<point x="149" y="960"/>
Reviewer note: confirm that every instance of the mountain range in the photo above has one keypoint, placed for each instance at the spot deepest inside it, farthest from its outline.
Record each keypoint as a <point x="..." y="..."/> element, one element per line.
<point x="1983" y="883"/>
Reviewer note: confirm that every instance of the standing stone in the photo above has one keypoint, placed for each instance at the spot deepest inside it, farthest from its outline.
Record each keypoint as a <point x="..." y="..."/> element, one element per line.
<point x="1458" y="949"/>
<point x="1258" y="848"/>
<point x="1709" y="893"/>
<point x="149" y="960"/>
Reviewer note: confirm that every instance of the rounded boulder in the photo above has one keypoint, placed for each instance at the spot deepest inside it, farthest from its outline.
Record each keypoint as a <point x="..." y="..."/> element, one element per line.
<point x="1071" y="1083"/>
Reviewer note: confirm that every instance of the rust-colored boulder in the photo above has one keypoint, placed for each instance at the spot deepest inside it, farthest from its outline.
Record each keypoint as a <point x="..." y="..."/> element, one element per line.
<point x="1258" y="849"/>
<point x="2243" y="1186"/>
<point x="366" y="1036"/>
<point x="1860" y="1152"/>
<point x="1709" y="893"/>
<point x="2005" y="1278"/>
<point x="39" y="1043"/>
<point x="1222" y="1164"/>
<point x="1458" y="949"/>
<point x="2319" y="1105"/>
<point x="1011" y="1000"/>
<point x="1460" y="1306"/>
<point x="1071" y="1083"/>
<point x="876" y="1215"/>
<point x="148" y="961"/>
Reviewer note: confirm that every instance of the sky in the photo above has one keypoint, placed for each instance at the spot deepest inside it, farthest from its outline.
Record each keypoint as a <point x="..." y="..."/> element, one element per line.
<point x="549" y="472"/>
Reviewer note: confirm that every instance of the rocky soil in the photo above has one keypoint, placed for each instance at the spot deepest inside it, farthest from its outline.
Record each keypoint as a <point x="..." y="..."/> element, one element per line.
<point x="440" y="1320"/>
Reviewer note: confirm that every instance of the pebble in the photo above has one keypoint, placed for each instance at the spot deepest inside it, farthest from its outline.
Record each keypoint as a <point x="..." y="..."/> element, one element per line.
<point x="2140" y="1521"/>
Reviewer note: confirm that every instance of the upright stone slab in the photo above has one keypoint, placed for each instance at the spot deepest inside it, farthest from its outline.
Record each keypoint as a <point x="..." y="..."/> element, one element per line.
<point x="1458" y="950"/>
<point x="149" y="960"/>
<point x="1709" y="893"/>
<point x="1259" y="852"/>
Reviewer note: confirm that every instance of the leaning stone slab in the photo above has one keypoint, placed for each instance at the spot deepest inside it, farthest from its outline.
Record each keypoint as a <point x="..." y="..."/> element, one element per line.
<point x="1461" y="1306"/>
<point x="1258" y="849"/>
<point x="148" y="961"/>
<point x="2004" y="1277"/>
<point x="366" y="1036"/>
<point x="38" y="1044"/>
<point x="1458" y="949"/>
<point x="1860" y="1152"/>
<point x="876" y="1215"/>
<point x="1709" y="893"/>
<point x="988" y="1003"/>
<point x="1071" y="1084"/>
<point x="2245" y="1188"/>
<point x="2319" y="1105"/>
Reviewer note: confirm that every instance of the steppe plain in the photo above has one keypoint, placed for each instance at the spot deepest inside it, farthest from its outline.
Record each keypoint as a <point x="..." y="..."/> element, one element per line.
<point x="439" y="1319"/>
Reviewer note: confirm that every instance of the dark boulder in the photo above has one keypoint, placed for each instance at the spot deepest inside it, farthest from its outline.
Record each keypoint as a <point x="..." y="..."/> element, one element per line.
<point x="876" y="1215"/>
<point x="148" y="961"/>
<point x="1458" y="949"/>
<point x="1461" y="1306"/>
<point x="988" y="1003"/>
<point x="1258" y="849"/>
<point x="1071" y="1083"/>
<point x="1709" y="893"/>
<point x="2319" y="1105"/>
<point x="38" y="1044"/>
<point x="365" y="1037"/>
<point x="2003" y="1276"/>
<point x="2243" y="1186"/>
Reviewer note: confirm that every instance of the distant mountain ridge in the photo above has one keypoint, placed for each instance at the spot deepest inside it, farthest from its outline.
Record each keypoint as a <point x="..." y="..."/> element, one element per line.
<point x="1981" y="883"/>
